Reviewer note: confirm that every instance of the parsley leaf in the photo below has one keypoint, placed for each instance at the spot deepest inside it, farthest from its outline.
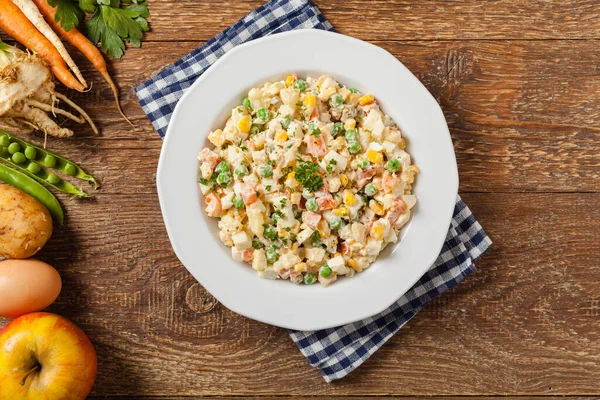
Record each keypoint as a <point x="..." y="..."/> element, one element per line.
<point x="98" y="31"/>
<point x="68" y="13"/>
<point x="307" y="175"/>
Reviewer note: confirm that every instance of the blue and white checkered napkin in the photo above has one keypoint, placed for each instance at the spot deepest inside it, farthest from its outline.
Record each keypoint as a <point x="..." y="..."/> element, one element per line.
<point x="338" y="351"/>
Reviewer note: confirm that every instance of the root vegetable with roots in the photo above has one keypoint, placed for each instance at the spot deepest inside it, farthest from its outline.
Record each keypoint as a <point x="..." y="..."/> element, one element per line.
<point x="27" y="95"/>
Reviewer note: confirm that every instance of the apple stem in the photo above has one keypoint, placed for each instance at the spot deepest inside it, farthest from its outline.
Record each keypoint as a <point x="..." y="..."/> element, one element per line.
<point x="31" y="371"/>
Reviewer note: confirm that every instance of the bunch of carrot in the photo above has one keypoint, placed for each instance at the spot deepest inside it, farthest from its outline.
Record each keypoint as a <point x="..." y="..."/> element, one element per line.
<point x="32" y="23"/>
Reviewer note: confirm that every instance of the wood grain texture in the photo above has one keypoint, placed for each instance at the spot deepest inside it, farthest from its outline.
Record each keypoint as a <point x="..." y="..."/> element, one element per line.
<point x="524" y="114"/>
<point x="527" y="322"/>
<point x="399" y="19"/>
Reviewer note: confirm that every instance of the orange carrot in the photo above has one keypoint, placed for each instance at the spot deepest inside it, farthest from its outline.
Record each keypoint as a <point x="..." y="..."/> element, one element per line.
<point x="16" y="24"/>
<point x="82" y="43"/>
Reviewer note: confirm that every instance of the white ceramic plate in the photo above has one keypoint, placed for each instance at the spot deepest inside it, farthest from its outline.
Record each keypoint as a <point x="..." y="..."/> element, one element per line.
<point x="206" y="106"/>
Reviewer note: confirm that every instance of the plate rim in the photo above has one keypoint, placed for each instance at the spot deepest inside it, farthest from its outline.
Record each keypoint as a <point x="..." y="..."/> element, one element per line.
<point x="163" y="155"/>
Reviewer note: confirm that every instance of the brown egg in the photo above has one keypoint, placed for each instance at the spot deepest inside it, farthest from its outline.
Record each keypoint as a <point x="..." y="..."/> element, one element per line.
<point x="27" y="286"/>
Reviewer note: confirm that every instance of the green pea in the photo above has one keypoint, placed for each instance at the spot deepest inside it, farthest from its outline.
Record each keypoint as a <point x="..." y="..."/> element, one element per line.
<point x="310" y="278"/>
<point x="311" y="205"/>
<point x="2" y="151"/>
<point x="53" y="179"/>
<point x="286" y="122"/>
<point x="70" y="169"/>
<point x="300" y="85"/>
<point x="266" y="171"/>
<point x="224" y="179"/>
<point x="338" y="128"/>
<point x="353" y="147"/>
<point x="19" y="157"/>
<point x="4" y="141"/>
<point x="49" y="161"/>
<point x="34" y="168"/>
<point x="222" y="167"/>
<point x="256" y="244"/>
<point x="14" y="147"/>
<point x="30" y="153"/>
<point x="314" y="129"/>
<point x="335" y="222"/>
<point x="263" y="114"/>
<point x="393" y="165"/>
<point x="336" y="100"/>
<point x="272" y="255"/>
<point x="247" y="103"/>
<point x="238" y="202"/>
<point x="240" y="171"/>
<point x="270" y="233"/>
<point x="325" y="271"/>
<point x="254" y="129"/>
<point x="363" y="164"/>
<point x="370" y="189"/>
<point x="351" y="134"/>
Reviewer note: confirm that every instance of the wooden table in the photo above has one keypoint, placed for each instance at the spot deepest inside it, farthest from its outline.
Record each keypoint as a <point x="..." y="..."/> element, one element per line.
<point x="519" y="82"/>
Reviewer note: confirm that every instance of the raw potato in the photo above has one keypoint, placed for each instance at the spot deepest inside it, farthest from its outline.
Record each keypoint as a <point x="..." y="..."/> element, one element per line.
<point x="25" y="224"/>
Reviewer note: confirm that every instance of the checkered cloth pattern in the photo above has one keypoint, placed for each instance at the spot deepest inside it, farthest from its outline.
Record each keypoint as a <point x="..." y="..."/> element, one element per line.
<point x="337" y="351"/>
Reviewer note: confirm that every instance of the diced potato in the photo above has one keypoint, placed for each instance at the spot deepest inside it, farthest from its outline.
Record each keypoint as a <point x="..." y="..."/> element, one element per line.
<point x="304" y="235"/>
<point x="242" y="241"/>
<point x="217" y="138"/>
<point x="259" y="263"/>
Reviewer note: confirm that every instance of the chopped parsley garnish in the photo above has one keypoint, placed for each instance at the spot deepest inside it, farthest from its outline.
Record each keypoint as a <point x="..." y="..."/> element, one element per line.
<point x="307" y="174"/>
<point x="329" y="169"/>
<point x="332" y="162"/>
<point x="257" y="244"/>
<point x="271" y="162"/>
<point x="283" y="202"/>
<point x="293" y="237"/>
<point x="288" y="229"/>
<point x="268" y="188"/>
<point x="316" y="239"/>
<point x="203" y="181"/>
<point x="270" y="233"/>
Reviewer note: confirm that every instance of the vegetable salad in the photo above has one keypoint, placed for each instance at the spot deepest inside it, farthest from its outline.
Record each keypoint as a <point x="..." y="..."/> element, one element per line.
<point x="310" y="180"/>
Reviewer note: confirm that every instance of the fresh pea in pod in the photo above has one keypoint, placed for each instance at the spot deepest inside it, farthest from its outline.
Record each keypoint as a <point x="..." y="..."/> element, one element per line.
<point x="46" y="158"/>
<point x="19" y="162"/>
<point x="34" y="189"/>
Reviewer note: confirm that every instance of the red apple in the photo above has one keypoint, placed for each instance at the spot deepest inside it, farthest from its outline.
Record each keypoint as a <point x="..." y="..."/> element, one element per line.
<point x="45" y="356"/>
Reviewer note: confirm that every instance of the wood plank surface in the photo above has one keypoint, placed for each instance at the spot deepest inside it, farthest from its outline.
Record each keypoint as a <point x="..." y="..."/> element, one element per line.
<point x="519" y="83"/>
<point x="526" y="112"/>
<point x="398" y="19"/>
<point x="527" y="322"/>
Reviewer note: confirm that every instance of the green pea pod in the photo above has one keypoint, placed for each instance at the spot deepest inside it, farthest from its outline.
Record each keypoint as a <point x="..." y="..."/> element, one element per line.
<point x="61" y="164"/>
<point x="34" y="189"/>
<point x="40" y="174"/>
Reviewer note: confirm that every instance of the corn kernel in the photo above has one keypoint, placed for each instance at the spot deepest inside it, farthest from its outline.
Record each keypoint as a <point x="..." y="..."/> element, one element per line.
<point x="244" y="124"/>
<point x="374" y="156"/>
<point x="344" y="179"/>
<point x="402" y="144"/>
<point x="376" y="207"/>
<point x="300" y="267"/>
<point x="310" y="100"/>
<point x="217" y="138"/>
<point x="349" y="199"/>
<point x="291" y="181"/>
<point x="289" y="81"/>
<point x="354" y="265"/>
<point x="295" y="246"/>
<point x="340" y="211"/>
<point x="281" y="136"/>
<point x="350" y="124"/>
<point x="377" y="231"/>
<point x="323" y="229"/>
<point x="366" y="99"/>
